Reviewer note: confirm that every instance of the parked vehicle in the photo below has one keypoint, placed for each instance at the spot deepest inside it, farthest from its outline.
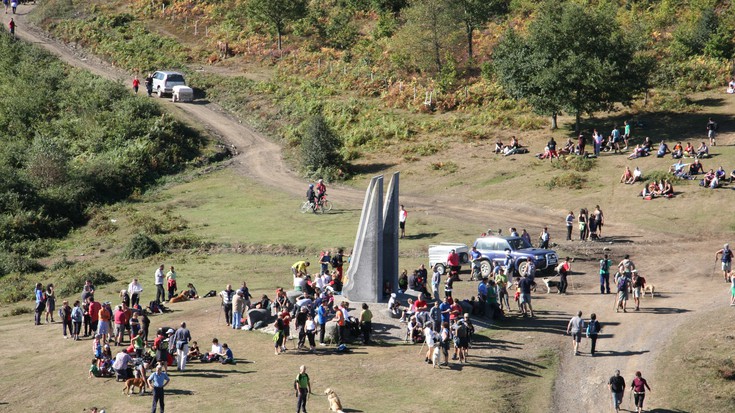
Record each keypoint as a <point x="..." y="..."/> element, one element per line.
<point x="493" y="251"/>
<point x="164" y="82"/>
<point x="438" y="254"/>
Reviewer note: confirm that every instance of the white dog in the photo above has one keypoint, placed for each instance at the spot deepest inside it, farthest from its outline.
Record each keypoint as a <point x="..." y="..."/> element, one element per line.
<point x="435" y="356"/>
<point x="551" y="283"/>
<point x="334" y="404"/>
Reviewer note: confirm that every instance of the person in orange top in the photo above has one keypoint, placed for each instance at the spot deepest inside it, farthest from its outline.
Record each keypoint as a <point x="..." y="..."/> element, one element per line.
<point x="340" y="318"/>
<point x="103" y="327"/>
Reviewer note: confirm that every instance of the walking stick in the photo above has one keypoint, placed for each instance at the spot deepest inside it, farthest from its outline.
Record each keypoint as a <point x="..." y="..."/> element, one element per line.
<point x="714" y="269"/>
<point x="422" y="347"/>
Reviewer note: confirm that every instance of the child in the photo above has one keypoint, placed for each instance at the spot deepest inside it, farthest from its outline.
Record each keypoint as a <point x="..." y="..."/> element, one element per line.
<point x="94" y="371"/>
<point x="194" y="352"/>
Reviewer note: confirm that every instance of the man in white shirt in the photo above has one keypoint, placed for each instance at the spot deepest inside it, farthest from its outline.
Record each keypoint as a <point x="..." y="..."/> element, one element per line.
<point x="402" y="215"/>
<point x="122" y="359"/>
<point x="160" y="292"/>
<point x="134" y="290"/>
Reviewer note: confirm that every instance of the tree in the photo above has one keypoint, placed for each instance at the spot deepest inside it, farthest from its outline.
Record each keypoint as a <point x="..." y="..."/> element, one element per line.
<point x="320" y="148"/>
<point x="277" y="13"/>
<point x="476" y="13"/>
<point x="571" y="60"/>
<point x="429" y="33"/>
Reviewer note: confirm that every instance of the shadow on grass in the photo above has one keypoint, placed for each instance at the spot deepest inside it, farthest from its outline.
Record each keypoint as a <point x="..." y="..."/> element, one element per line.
<point x="422" y="235"/>
<point x="352" y="410"/>
<point x="664" y="310"/>
<point x="371" y="168"/>
<point x="502" y="364"/>
<point x="667" y="411"/>
<point x="179" y="392"/>
<point x="613" y="353"/>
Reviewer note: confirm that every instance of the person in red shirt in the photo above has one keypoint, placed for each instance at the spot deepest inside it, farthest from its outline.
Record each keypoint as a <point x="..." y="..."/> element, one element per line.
<point x="94" y="314"/>
<point x="420" y="304"/>
<point x="286" y="317"/>
<point x="453" y="263"/>
<point x="104" y="322"/>
<point x="11" y="26"/>
<point x="639" y="386"/>
<point x="455" y="311"/>
<point x="136" y="84"/>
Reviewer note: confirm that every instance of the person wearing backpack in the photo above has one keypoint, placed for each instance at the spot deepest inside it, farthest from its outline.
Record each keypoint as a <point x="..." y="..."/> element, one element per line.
<point x="76" y="317"/>
<point x="712" y="128"/>
<point x="461" y="340"/>
<point x="593" y="329"/>
<point x="623" y="284"/>
<point x="725" y="256"/>
<point x="65" y="314"/>
<point x="605" y="264"/>
<point x="40" y="303"/>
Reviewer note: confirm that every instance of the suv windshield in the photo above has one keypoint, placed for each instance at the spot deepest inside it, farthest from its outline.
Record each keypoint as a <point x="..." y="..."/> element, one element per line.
<point x="518" y="244"/>
<point x="175" y="78"/>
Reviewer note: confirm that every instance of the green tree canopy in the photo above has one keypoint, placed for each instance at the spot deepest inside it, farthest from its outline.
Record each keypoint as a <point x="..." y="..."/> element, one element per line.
<point x="277" y="13"/>
<point x="571" y="60"/>
<point x="320" y="148"/>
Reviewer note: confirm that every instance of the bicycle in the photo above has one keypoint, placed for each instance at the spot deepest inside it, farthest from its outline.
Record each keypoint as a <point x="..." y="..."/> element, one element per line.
<point x="322" y="206"/>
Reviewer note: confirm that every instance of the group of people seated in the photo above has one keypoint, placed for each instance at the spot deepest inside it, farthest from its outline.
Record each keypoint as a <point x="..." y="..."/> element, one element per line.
<point x="678" y="151"/>
<point x="714" y="179"/>
<point x="630" y="177"/>
<point x="218" y="353"/>
<point x="655" y="189"/>
<point x="511" y="149"/>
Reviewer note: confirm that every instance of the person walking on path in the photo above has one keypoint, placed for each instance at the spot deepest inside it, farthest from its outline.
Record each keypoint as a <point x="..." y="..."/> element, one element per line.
<point x="638" y="283"/>
<point x="171" y="283"/>
<point x="6" y="3"/>
<point x="14" y="5"/>
<point x="593" y="329"/>
<point x="157" y="381"/>
<point x="605" y="265"/>
<point x="725" y="256"/>
<point x="639" y="386"/>
<point x="182" y="337"/>
<point x="575" y="326"/>
<point x="564" y="268"/>
<point x="11" y="27"/>
<point x="616" y="384"/>
<point x="623" y="284"/>
<point x="158" y="280"/>
<point x="732" y="291"/>
<point x="136" y="84"/>
<point x="570" y="224"/>
<point x="525" y="298"/>
<point x="302" y="386"/>
<point x="402" y="215"/>
<point x="711" y="128"/>
<point x="226" y="296"/>
<point x="149" y="84"/>
<point x="366" y="318"/>
<point x="626" y="266"/>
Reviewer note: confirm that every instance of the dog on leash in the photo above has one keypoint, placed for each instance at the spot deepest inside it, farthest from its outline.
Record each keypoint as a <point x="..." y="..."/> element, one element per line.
<point x="131" y="384"/>
<point x="551" y="283"/>
<point x="435" y="356"/>
<point x="334" y="404"/>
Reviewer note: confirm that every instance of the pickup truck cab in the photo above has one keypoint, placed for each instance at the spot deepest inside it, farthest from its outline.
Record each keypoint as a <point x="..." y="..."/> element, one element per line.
<point x="493" y="251"/>
<point x="438" y="254"/>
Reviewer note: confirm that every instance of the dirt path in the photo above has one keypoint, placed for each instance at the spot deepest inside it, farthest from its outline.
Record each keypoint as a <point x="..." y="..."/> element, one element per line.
<point x="630" y="341"/>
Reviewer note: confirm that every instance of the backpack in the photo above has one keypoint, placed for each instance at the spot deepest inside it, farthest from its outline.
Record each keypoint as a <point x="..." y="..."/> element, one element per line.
<point x="715" y="126"/>
<point x="622" y="283"/>
<point x="335" y="261"/>
<point x="604" y="266"/>
<point x="462" y="330"/>
<point x="76" y="314"/>
<point x="593" y="327"/>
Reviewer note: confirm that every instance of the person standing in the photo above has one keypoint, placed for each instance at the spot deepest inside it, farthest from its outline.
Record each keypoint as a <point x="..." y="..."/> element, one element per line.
<point x="226" y="296"/>
<point x="182" y="337"/>
<point x="149" y="84"/>
<point x="50" y="302"/>
<point x="570" y="225"/>
<point x="626" y="134"/>
<point x="453" y="263"/>
<point x="725" y="255"/>
<point x="103" y="325"/>
<point x="366" y="319"/>
<point x="711" y="130"/>
<point x="732" y="291"/>
<point x="94" y="314"/>
<point x="324" y="261"/>
<point x="637" y="284"/>
<point x="157" y="381"/>
<point x="158" y="280"/>
<point x="435" y="281"/>
<point x="134" y="290"/>
<point x="599" y="220"/>
<point x="11" y="27"/>
<point x="402" y="215"/>
<point x="525" y="285"/>
<point x="582" y="224"/>
<point x="593" y="329"/>
<point x="136" y="84"/>
<point x="321" y="319"/>
<point x="575" y="326"/>
<point x="6" y="3"/>
<point x="40" y="302"/>
<point x="616" y="384"/>
<point x="563" y="270"/>
<point x="14" y="5"/>
<point x="544" y="237"/>
<point x="302" y="386"/>
<point x="605" y="265"/>
<point x="238" y="306"/>
<point x="626" y="266"/>
<point x="475" y="261"/>
<point x="171" y="283"/>
<point x="623" y="284"/>
<point x="65" y="314"/>
<point x="638" y="387"/>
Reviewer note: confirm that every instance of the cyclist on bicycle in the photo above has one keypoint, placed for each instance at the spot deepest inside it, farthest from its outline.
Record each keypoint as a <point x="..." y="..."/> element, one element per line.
<point x="321" y="190"/>
<point x="311" y="197"/>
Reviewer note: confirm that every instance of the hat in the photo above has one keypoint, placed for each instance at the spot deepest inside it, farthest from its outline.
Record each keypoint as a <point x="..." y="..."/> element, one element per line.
<point x="170" y="330"/>
<point x="393" y="295"/>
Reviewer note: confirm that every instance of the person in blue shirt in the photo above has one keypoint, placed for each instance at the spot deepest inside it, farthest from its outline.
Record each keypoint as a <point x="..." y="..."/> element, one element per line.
<point x="444" y="308"/>
<point x="158" y="380"/>
<point x="40" y="303"/>
<point x="226" y="356"/>
<point x="475" y="259"/>
<point x="321" y="319"/>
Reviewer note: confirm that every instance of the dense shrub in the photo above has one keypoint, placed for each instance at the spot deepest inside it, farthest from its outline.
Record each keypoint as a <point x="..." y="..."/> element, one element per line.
<point x="71" y="282"/>
<point x="567" y="180"/>
<point x="574" y="163"/>
<point x="141" y="246"/>
<point x="320" y="148"/>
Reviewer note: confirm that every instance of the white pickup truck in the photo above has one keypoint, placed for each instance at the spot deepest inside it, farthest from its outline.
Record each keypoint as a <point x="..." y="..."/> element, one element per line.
<point x="438" y="254"/>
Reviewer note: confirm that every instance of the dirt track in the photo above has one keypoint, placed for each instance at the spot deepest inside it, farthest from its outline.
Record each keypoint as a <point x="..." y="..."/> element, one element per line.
<point x="629" y="342"/>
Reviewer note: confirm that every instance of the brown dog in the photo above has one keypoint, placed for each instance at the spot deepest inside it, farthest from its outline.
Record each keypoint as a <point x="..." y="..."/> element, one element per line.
<point x="131" y="384"/>
<point x="334" y="404"/>
<point x="184" y="296"/>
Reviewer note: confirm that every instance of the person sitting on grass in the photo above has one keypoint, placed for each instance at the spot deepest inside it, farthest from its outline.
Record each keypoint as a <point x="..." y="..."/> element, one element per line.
<point x="663" y="149"/>
<point x="721" y="174"/>
<point x="668" y="189"/>
<point x="94" y="370"/>
<point x="194" y="352"/>
<point x="498" y="146"/>
<point x="696" y="167"/>
<point x="703" y="151"/>
<point x="678" y="151"/>
<point x="637" y="152"/>
<point x="568" y="147"/>
<point x="627" y="177"/>
<point x="511" y="149"/>
<point x="710" y="180"/>
<point x="689" y="150"/>
<point x="225" y="357"/>
<point x="193" y="295"/>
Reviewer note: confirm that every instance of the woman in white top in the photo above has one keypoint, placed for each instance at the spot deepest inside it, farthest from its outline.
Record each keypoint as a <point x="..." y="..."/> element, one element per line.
<point x="310" y="329"/>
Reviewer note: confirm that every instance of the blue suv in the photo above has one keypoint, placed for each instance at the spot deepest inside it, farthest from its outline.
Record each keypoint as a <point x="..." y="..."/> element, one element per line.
<point x="493" y="251"/>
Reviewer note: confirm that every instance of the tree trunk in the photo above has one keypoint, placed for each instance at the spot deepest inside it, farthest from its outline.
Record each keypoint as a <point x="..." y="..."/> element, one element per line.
<point x="576" y="123"/>
<point x="469" y="29"/>
<point x="553" y="121"/>
<point x="278" y="30"/>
